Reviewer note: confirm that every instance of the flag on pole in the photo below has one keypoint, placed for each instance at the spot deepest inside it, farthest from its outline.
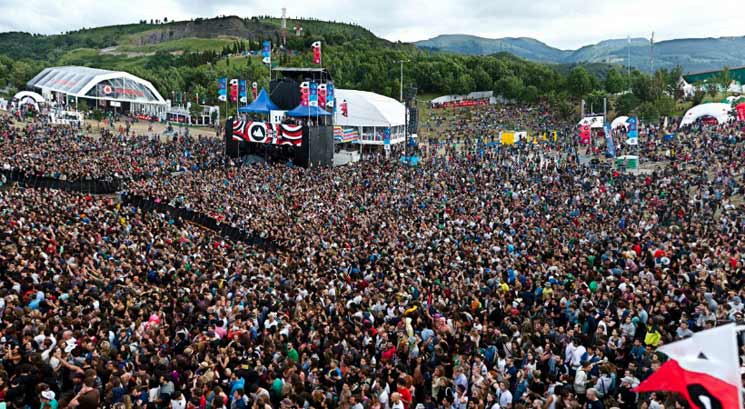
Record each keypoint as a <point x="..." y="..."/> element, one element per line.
<point x="242" y="91"/>
<point x="255" y="89"/>
<point x="266" y="52"/>
<point x="316" y="47"/>
<point x="330" y="97"/>
<point x="632" y="133"/>
<point x="344" y="108"/>
<point x="222" y="89"/>
<point x="313" y="94"/>
<point x="233" y="90"/>
<point x="704" y="369"/>
<point x="609" y="140"/>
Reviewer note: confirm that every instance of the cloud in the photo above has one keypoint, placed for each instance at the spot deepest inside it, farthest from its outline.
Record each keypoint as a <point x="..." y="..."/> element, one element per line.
<point x="560" y="23"/>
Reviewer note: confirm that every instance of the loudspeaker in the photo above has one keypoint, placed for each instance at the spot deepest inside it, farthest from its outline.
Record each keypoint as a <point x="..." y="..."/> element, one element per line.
<point x="320" y="146"/>
<point x="285" y="93"/>
<point x="413" y="120"/>
<point x="232" y="147"/>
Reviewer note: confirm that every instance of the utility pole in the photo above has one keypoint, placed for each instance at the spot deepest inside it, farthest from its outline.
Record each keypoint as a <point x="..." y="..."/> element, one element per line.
<point x="651" y="53"/>
<point x="401" y="84"/>
<point x="628" y="61"/>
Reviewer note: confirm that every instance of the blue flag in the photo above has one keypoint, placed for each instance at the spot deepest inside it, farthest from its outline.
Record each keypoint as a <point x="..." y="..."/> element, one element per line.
<point x="609" y="140"/>
<point x="222" y="89"/>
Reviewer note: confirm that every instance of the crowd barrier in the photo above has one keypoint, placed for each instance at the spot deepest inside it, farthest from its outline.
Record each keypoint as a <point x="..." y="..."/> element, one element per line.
<point x="92" y="186"/>
<point x="200" y="219"/>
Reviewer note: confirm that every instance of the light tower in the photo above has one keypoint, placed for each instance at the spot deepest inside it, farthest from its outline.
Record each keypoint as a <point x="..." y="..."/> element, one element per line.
<point x="284" y="26"/>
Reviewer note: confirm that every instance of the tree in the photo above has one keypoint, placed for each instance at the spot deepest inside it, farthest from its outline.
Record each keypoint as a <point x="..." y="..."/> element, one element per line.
<point x="510" y="87"/>
<point x="724" y="79"/>
<point x="699" y="93"/>
<point x="648" y="112"/>
<point x="22" y="72"/>
<point x="594" y="101"/>
<point x="641" y="86"/>
<point x="626" y="103"/>
<point x="579" y="82"/>
<point x="614" y="82"/>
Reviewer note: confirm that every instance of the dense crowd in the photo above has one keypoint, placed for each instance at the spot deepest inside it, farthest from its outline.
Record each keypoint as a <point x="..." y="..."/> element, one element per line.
<point x="70" y="153"/>
<point x="512" y="277"/>
<point x="485" y="122"/>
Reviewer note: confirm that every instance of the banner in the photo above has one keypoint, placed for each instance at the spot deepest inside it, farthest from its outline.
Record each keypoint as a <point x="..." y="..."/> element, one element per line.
<point x="304" y="93"/>
<point x="632" y="133"/>
<point x="609" y="141"/>
<point x="233" y="90"/>
<point x="387" y="136"/>
<point x="316" y="47"/>
<point x="740" y="108"/>
<point x="585" y="134"/>
<point x="344" y="108"/>
<point x="255" y="89"/>
<point x="462" y="104"/>
<point x="507" y="138"/>
<point x="266" y="133"/>
<point x="595" y="122"/>
<point x="322" y="96"/>
<point x="313" y="94"/>
<point x="266" y="52"/>
<point x="343" y="135"/>
<point x="330" y="97"/>
<point x="222" y="89"/>
<point x="242" y="91"/>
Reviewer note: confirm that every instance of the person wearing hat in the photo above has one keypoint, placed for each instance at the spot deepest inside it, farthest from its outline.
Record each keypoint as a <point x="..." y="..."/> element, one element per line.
<point x="626" y="397"/>
<point x="48" y="400"/>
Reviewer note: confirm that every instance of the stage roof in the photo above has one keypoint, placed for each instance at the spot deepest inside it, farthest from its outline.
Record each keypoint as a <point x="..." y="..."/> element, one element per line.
<point x="94" y="83"/>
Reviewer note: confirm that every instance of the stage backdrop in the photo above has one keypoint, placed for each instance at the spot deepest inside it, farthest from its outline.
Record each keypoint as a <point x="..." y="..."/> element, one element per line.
<point x="264" y="132"/>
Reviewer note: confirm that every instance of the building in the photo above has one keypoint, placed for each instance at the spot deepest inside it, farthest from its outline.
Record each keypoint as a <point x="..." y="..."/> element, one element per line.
<point x="109" y="90"/>
<point x="737" y="74"/>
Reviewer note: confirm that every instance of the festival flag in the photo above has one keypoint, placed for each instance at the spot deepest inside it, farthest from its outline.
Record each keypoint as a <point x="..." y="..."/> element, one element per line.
<point x="266" y="52"/>
<point x="585" y="134"/>
<point x="233" y="90"/>
<point x="304" y="93"/>
<point x="330" y="97"/>
<point x="242" y="91"/>
<point x="704" y="369"/>
<point x="322" y="96"/>
<point x="255" y="89"/>
<point x="609" y="141"/>
<point x="632" y="133"/>
<point x="344" y="108"/>
<point x="222" y="89"/>
<point x="316" y="47"/>
<point x="313" y="94"/>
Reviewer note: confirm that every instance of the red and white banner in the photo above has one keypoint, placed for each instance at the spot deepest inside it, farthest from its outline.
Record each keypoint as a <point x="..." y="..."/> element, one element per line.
<point x="585" y="134"/>
<point x="316" y="47"/>
<point x="704" y="369"/>
<point x="322" y="92"/>
<point x="255" y="89"/>
<point x="233" y="90"/>
<point x="305" y="93"/>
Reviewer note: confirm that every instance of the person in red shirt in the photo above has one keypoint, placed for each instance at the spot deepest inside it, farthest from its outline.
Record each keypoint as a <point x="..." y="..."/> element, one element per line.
<point x="404" y="389"/>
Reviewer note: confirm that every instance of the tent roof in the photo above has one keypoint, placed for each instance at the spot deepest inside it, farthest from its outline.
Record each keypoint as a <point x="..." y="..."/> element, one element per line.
<point x="304" y="112"/>
<point x="721" y="112"/>
<point x="79" y="81"/>
<point x="369" y="109"/>
<point x="261" y="105"/>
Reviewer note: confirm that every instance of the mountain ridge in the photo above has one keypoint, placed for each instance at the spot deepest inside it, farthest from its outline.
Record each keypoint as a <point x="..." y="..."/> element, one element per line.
<point x="693" y="54"/>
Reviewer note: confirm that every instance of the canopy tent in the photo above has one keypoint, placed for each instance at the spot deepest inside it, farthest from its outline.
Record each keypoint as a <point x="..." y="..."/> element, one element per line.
<point x="261" y="105"/>
<point x="29" y="98"/>
<point x="619" y="122"/>
<point x="719" y="111"/>
<point x="306" y="112"/>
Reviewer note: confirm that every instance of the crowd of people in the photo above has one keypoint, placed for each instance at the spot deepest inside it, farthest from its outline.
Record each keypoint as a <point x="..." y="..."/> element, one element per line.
<point x="69" y="153"/>
<point x="486" y="277"/>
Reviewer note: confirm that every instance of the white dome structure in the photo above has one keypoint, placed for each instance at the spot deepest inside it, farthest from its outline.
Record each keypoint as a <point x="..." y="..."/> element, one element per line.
<point x="719" y="111"/>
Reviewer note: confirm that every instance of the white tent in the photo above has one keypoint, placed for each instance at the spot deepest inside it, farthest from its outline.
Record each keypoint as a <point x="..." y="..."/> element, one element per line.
<point x="29" y="98"/>
<point x="371" y="114"/>
<point x="719" y="111"/>
<point x="619" y="122"/>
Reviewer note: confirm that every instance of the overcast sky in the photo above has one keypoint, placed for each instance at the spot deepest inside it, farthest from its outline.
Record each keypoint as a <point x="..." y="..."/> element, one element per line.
<point x="561" y="23"/>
